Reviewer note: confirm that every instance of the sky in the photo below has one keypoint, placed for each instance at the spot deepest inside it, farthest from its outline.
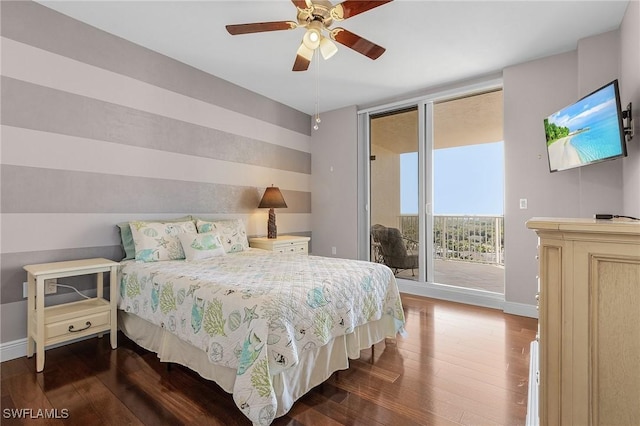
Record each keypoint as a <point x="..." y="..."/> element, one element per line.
<point x="467" y="180"/>
<point x="579" y="114"/>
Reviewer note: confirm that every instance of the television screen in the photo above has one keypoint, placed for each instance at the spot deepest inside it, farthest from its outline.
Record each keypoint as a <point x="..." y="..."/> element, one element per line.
<point x="586" y="132"/>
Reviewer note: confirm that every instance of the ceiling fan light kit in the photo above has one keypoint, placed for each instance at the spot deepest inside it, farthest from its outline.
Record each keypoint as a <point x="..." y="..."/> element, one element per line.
<point x="318" y="16"/>
<point x="311" y="38"/>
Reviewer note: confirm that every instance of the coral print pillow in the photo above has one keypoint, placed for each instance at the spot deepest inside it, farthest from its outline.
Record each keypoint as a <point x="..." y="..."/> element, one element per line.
<point x="156" y="241"/>
<point x="201" y="246"/>
<point x="232" y="233"/>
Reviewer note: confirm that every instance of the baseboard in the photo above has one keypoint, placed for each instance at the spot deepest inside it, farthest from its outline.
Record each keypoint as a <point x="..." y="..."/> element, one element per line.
<point x="18" y="348"/>
<point x="13" y="350"/>
<point x="520" y="309"/>
<point x="452" y="294"/>
<point x="468" y="296"/>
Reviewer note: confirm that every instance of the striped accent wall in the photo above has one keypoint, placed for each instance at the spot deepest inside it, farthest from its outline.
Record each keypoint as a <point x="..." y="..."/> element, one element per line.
<point x="97" y="130"/>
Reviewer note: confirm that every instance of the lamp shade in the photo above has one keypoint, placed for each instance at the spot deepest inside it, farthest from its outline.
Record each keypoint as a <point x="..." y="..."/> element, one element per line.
<point x="272" y="199"/>
<point x="327" y="48"/>
<point x="305" y="52"/>
<point x="312" y="37"/>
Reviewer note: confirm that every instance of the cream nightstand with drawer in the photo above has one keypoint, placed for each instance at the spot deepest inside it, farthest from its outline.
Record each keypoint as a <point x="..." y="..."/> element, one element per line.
<point x="68" y="321"/>
<point x="282" y="244"/>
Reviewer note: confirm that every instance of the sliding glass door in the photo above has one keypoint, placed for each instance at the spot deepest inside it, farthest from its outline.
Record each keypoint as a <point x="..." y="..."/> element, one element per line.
<point x="394" y="191"/>
<point x="468" y="192"/>
<point x="434" y="175"/>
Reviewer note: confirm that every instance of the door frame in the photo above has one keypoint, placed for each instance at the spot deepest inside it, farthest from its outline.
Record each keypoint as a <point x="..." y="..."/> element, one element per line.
<point x="425" y="285"/>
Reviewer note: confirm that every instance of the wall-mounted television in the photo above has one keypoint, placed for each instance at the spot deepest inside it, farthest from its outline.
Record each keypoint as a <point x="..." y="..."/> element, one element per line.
<point x="587" y="132"/>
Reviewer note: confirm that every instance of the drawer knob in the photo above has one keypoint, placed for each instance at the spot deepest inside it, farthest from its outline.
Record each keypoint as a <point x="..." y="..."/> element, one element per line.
<point x="71" y="330"/>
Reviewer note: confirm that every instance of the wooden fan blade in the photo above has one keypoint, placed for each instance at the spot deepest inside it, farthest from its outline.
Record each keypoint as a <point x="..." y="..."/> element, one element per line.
<point x="357" y="43"/>
<point x="349" y="8"/>
<point x="301" y="64"/>
<point x="301" y="4"/>
<point x="260" y="27"/>
<point x="303" y="58"/>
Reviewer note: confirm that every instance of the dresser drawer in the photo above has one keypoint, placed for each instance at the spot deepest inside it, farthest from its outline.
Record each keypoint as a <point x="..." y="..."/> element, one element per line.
<point x="282" y="244"/>
<point x="292" y="248"/>
<point x="79" y="326"/>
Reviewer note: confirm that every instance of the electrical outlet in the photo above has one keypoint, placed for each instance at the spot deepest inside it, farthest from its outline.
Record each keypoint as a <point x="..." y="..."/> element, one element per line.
<point x="51" y="286"/>
<point x="333" y="250"/>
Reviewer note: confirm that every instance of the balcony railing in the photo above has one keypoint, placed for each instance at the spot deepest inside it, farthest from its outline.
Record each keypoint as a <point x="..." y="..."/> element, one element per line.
<point x="462" y="237"/>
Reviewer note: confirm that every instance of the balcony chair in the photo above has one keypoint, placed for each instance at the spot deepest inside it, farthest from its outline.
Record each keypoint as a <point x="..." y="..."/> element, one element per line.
<point x="393" y="249"/>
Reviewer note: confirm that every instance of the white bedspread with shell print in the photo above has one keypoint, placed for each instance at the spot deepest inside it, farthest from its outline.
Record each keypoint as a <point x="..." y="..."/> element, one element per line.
<point x="257" y="312"/>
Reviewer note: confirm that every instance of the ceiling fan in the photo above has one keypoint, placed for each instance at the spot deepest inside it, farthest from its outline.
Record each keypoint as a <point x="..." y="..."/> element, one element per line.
<point x="317" y="16"/>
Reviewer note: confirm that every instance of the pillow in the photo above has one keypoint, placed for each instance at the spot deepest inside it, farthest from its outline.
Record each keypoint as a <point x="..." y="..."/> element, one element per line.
<point x="232" y="233"/>
<point x="201" y="246"/>
<point x="126" y="239"/>
<point x="156" y="241"/>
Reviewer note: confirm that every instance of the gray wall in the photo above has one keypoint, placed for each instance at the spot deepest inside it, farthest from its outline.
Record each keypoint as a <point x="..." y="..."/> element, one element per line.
<point x="335" y="184"/>
<point x="530" y="95"/>
<point x="97" y="130"/>
<point x="536" y="89"/>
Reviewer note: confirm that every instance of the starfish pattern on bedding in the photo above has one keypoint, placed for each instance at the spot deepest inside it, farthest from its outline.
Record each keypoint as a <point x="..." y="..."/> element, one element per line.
<point x="163" y="242"/>
<point x="250" y="314"/>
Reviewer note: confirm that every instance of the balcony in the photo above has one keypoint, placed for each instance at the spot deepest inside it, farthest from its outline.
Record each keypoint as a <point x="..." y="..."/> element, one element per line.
<point x="468" y="250"/>
<point x="468" y="238"/>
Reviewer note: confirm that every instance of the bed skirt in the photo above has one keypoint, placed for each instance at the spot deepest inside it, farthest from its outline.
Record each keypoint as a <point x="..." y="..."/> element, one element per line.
<point x="315" y="366"/>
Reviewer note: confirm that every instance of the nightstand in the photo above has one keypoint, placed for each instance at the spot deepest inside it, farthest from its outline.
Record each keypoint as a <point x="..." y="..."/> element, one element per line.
<point x="68" y="321"/>
<point x="282" y="244"/>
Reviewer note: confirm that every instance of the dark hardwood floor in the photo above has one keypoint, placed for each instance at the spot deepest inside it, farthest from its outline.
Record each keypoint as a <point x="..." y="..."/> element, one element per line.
<point x="459" y="364"/>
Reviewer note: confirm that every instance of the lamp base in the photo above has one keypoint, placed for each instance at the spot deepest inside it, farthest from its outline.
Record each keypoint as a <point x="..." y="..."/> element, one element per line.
<point x="272" y="229"/>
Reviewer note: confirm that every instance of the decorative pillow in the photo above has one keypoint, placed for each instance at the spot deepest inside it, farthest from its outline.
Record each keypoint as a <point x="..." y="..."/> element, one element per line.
<point x="232" y="233"/>
<point x="156" y="241"/>
<point x="201" y="246"/>
<point x="126" y="239"/>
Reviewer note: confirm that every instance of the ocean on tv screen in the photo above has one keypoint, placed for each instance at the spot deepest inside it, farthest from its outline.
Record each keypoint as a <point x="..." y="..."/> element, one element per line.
<point x="600" y="141"/>
<point x="589" y="131"/>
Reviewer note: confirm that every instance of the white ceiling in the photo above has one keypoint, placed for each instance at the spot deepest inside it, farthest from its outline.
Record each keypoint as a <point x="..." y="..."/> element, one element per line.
<point x="428" y="43"/>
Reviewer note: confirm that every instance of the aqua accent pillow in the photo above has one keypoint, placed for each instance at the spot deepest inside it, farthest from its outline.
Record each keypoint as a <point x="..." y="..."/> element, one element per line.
<point x="201" y="246"/>
<point x="232" y="233"/>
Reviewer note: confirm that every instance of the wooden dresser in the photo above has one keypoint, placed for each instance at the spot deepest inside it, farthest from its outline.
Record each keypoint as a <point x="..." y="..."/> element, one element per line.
<point x="589" y="284"/>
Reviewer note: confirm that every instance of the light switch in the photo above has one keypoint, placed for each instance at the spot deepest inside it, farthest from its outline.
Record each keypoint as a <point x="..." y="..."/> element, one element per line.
<point x="523" y="203"/>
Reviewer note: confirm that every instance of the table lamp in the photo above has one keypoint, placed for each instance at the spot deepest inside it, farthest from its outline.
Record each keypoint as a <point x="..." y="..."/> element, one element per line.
<point x="272" y="199"/>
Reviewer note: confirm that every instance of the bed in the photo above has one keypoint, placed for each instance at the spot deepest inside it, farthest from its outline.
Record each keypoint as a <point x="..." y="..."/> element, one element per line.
<point x="266" y="327"/>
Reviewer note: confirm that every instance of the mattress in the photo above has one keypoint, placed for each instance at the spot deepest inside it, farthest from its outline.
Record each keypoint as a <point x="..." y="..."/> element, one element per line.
<point x="267" y="327"/>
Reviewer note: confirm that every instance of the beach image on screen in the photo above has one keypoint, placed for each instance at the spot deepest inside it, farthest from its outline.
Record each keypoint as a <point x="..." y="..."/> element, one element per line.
<point x="584" y="132"/>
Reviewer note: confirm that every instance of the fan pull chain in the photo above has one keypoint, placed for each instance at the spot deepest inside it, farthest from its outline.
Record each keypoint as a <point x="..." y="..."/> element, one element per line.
<point x="317" y="62"/>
